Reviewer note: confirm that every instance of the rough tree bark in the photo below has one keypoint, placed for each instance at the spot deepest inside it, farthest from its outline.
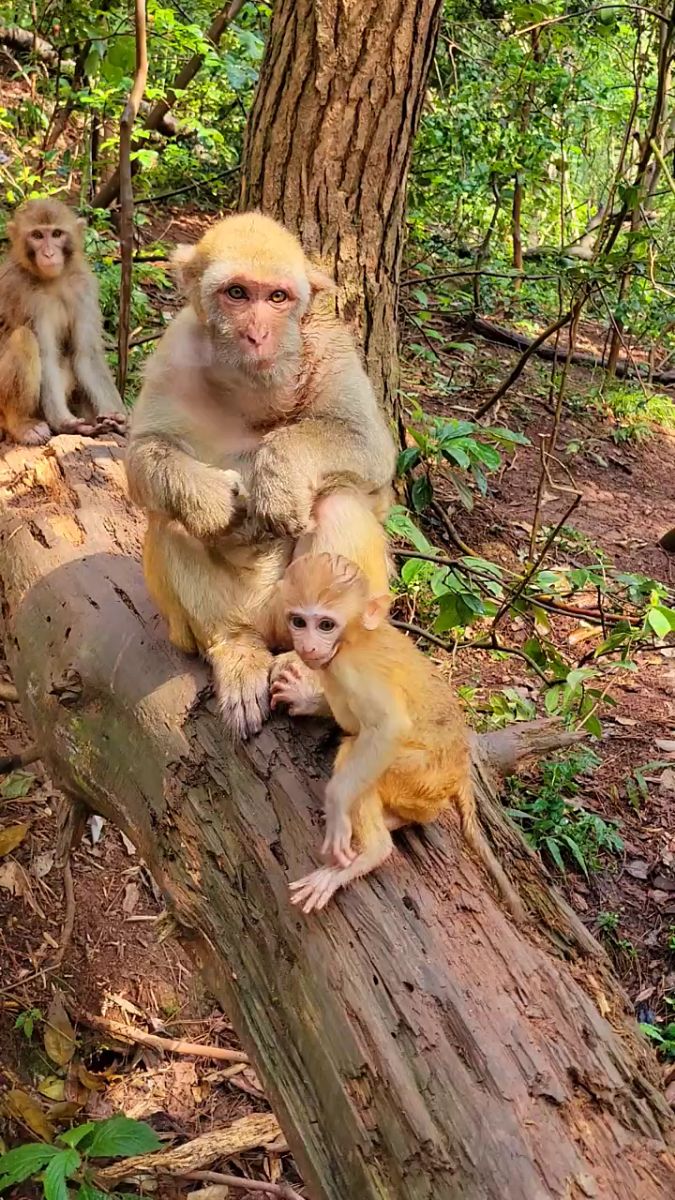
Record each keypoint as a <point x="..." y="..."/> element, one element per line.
<point x="414" y="1043"/>
<point x="328" y="146"/>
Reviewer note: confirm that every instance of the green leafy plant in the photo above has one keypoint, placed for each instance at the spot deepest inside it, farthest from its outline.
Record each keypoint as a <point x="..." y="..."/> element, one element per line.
<point x="27" y="1020"/>
<point x="663" y="1036"/>
<point x="69" y="1162"/>
<point x="462" y="448"/>
<point x="555" y="823"/>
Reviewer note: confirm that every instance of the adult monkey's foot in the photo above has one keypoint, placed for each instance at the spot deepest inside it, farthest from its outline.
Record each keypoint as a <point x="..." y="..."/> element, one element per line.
<point x="241" y="674"/>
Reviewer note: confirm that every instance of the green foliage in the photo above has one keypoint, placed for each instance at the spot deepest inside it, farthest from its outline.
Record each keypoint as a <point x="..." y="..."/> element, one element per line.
<point x="67" y="1163"/>
<point x="663" y="1036"/>
<point x="461" y="448"/>
<point x="633" y="412"/>
<point x="555" y="823"/>
<point x="27" y="1020"/>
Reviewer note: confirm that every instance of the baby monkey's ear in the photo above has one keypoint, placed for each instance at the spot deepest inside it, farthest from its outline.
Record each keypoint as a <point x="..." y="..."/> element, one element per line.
<point x="376" y="611"/>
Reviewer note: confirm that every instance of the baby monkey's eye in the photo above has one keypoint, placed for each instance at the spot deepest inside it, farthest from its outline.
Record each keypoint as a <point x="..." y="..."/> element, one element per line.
<point x="236" y="292"/>
<point x="279" y="296"/>
<point x="298" y="622"/>
<point x="326" y="626"/>
<point x="37" y="234"/>
<point x="57" y="233"/>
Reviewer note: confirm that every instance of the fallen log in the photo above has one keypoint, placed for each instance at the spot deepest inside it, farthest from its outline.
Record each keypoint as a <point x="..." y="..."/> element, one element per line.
<point x="413" y="1042"/>
<point x="625" y="369"/>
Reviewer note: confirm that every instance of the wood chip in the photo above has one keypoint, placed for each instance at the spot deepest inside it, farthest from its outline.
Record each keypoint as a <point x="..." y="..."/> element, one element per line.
<point x="247" y="1133"/>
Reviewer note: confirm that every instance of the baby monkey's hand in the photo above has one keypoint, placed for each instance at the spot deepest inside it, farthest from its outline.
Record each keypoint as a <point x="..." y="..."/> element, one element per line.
<point x="295" y="688"/>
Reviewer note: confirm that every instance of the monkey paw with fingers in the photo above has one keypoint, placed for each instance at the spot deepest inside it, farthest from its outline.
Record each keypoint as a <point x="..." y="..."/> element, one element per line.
<point x="35" y="435"/>
<point x="242" y="682"/>
<point x="219" y="500"/>
<point x="315" y="890"/>
<point x="295" y="686"/>
<point x="111" y="422"/>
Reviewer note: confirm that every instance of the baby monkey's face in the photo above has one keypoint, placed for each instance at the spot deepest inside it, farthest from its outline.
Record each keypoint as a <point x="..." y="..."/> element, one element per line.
<point x="316" y="634"/>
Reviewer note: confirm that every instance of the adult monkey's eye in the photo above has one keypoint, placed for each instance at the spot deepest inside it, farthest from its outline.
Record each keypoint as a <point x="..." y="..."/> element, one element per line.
<point x="298" y="622"/>
<point x="236" y="292"/>
<point x="326" y="626"/>
<point x="279" y="296"/>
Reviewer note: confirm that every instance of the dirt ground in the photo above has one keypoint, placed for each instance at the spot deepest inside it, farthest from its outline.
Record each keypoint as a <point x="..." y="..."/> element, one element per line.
<point x="627" y="503"/>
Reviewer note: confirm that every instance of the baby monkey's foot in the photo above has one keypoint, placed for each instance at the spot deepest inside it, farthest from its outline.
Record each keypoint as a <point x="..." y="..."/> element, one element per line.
<point x="337" y="845"/>
<point x="296" y="688"/>
<point x="315" y="890"/>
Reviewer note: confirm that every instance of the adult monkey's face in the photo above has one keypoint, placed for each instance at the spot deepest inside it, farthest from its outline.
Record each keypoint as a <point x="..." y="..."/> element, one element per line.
<point x="249" y="281"/>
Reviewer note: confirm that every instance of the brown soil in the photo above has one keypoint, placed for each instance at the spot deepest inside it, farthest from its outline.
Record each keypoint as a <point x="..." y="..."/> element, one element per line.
<point x="627" y="503"/>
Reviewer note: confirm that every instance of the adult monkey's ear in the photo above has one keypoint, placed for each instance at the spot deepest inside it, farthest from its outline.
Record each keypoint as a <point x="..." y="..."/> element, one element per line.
<point x="185" y="266"/>
<point x="319" y="281"/>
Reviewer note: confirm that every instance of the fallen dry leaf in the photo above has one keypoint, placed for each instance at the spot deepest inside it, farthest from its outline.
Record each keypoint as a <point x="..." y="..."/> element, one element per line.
<point x="667" y="780"/>
<point x="14" y="878"/>
<point x="92" y="1082"/>
<point x="11" y="837"/>
<point x="666" y="744"/>
<point x="638" y="868"/>
<point x="64" y="1110"/>
<point x="59" y="1033"/>
<point x="131" y="898"/>
<point x="27" y="1111"/>
<point x="52" y="1087"/>
<point x="42" y="864"/>
<point x="624" y="721"/>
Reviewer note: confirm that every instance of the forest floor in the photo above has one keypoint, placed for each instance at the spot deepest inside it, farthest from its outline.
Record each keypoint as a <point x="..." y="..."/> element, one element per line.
<point x="115" y="965"/>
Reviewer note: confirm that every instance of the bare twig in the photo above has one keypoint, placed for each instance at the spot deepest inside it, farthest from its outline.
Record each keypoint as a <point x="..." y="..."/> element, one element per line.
<point x="452" y="532"/>
<point x="492" y="644"/>
<point x="283" y="1191"/>
<point x="129" y="1033"/>
<point x="503" y="388"/>
<point x="69" y="918"/>
<point x="189" y="187"/>
<point x="511" y="599"/>
<point x="126" y="191"/>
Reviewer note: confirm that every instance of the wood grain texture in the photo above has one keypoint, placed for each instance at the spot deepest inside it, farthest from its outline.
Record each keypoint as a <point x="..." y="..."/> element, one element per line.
<point x="414" y="1043"/>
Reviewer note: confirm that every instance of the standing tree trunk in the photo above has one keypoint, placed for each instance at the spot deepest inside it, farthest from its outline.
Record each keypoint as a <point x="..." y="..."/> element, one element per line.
<point x="328" y="147"/>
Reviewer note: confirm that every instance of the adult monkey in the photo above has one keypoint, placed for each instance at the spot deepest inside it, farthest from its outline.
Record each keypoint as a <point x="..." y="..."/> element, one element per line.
<point x="256" y="434"/>
<point x="51" y="343"/>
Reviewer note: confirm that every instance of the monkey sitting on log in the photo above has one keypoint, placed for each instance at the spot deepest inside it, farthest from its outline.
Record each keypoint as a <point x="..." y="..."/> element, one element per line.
<point x="51" y="343"/>
<point x="406" y="754"/>
<point x="256" y="432"/>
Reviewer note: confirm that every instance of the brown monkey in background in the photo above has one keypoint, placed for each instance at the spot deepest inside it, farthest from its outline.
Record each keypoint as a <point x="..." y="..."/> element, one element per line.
<point x="51" y="345"/>
<point x="406" y="755"/>
<point x="256" y="433"/>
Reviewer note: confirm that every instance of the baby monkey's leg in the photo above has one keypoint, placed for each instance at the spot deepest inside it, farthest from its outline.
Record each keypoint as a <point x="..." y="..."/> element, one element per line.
<point x="372" y="829"/>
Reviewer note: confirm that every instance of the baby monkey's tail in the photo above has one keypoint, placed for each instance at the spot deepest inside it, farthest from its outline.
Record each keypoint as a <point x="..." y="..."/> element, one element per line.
<point x="475" y="838"/>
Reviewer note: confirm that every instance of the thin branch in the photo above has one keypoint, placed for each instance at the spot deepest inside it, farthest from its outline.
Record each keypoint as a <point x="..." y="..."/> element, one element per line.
<point x="583" y="12"/>
<point x="189" y="187"/>
<point x="283" y="1191"/>
<point x="126" y="191"/>
<point x="492" y="644"/>
<point x="129" y="1033"/>
<point x="510" y="600"/>
<point x="503" y="388"/>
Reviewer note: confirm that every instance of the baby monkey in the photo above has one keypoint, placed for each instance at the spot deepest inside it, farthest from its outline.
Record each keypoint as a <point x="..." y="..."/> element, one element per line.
<point x="406" y="754"/>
